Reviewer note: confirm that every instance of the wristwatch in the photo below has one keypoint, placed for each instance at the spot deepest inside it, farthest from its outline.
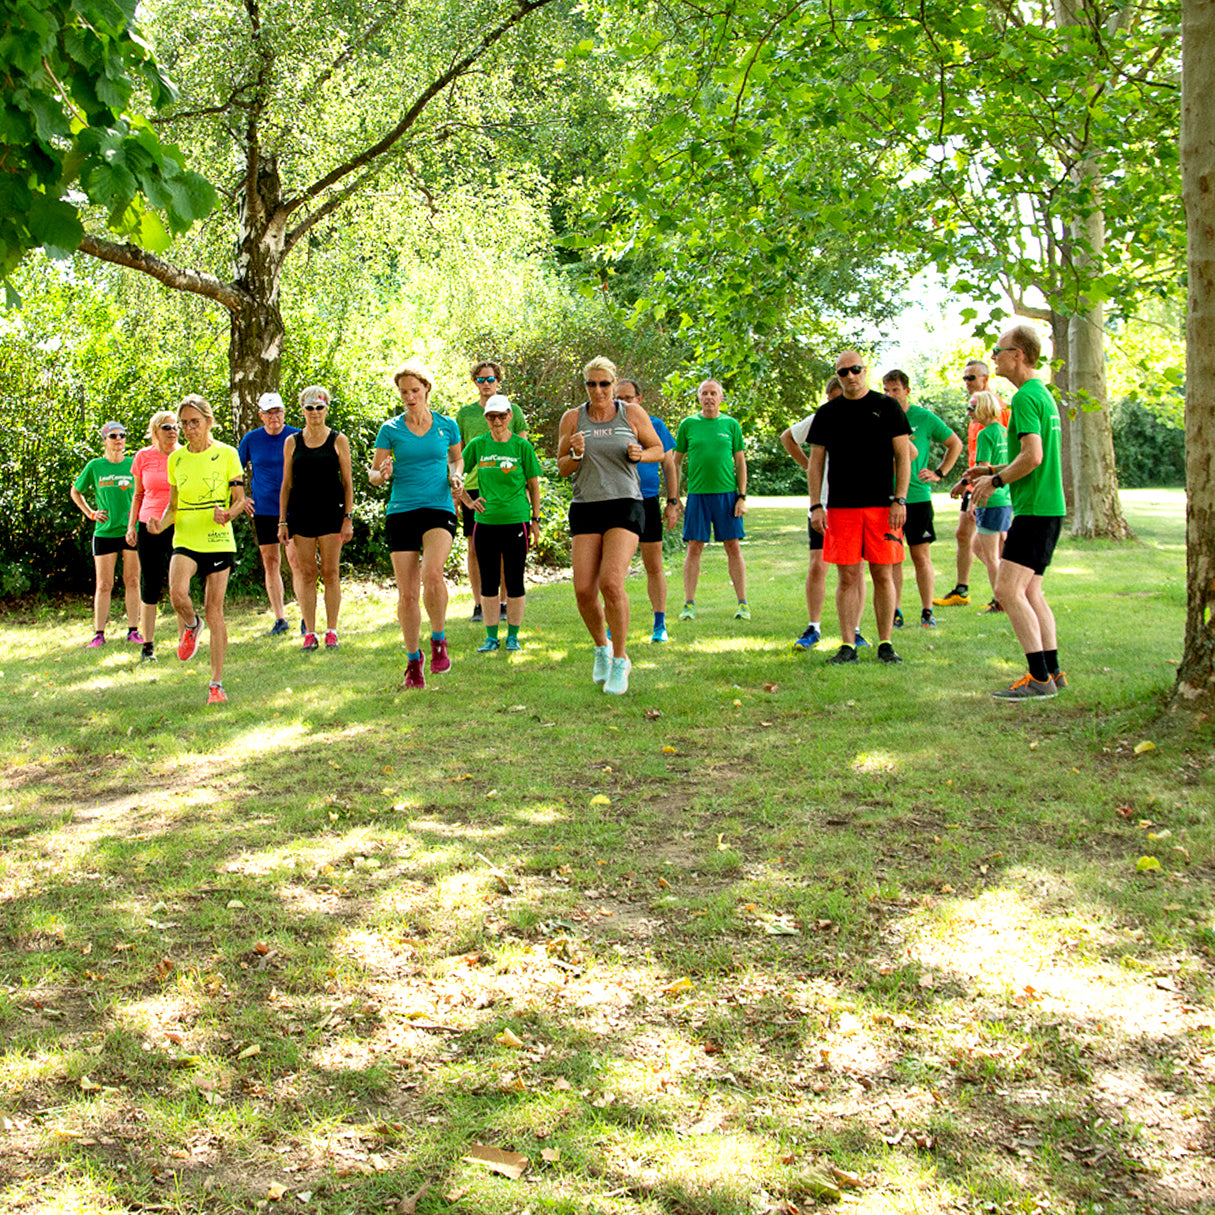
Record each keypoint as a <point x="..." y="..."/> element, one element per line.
<point x="941" y="473"/>
<point x="897" y="501"/>
<point x="672" y="501"/>
<point x="997" y="481"/>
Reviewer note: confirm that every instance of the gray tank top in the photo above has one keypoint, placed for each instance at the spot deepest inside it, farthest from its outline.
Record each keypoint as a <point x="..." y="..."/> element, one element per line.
<point x="605" y="471"/>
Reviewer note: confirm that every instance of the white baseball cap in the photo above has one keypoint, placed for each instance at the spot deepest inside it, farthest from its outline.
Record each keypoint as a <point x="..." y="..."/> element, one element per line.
<point x="268" y="401"/>
<point x="499" y="403"/>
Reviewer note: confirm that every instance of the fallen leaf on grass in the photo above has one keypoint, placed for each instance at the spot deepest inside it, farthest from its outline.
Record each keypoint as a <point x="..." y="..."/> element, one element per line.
<point x="508" y="1038"/>
<point x="87" y="1085"/>
<point x="409" y="1204"/>
<point x="678" y="987"/>
<point x="844" y="1178"/>
<point x="509" y="1164"/>
<point x="235" y="905"/>
<point x="653" y="714"/>
<point x="550" y="1155"/>
<point x="1146" y="864"/>
<point x="771" y="687"/>
<point x="250" y="1051"/>
<point x="600" y="800"/>
<point x="1126" y="811"/>
<point x="669" y="750"/>
<point x="1142" y="748"/>
<point x="275" y="1190"/>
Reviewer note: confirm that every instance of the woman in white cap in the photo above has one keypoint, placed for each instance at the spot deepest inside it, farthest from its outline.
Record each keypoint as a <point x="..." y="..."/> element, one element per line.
<point x="151" y="470"/>
<point x="111" y="484"/>
<point x="418" y="454"/>
<point x="316" y="511"/>
<point x="261" y="450"/>
<point x="507" y="516"/>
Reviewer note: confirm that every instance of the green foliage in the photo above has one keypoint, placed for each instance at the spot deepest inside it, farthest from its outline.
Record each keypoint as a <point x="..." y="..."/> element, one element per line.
<point x="73" y="71"/>
<point x="1148" y="449"/>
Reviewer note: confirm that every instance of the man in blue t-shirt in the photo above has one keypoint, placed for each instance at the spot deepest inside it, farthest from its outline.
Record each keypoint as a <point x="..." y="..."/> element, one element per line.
<point x="262" y="449"/>
<point x="629" y="391"/>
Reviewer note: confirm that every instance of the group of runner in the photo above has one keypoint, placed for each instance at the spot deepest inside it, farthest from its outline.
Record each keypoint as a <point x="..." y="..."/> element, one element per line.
<point x="169" y="510"/>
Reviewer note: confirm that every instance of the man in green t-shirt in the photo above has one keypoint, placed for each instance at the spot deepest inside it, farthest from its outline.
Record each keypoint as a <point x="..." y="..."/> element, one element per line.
<point x="470" y="419"/>
<point x="1034" y="474"/>
<point x="918" y="531"/>
<point x="717" y="494"/>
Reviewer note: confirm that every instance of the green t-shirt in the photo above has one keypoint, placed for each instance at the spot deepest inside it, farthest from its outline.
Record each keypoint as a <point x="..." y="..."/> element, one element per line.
<point x="503" y="470"/>
<point x="111" y="485"/>
<point x="202" y="482"/>
<point x="926" y="428"/>
<point x="710" y="445"/>
<point x="471" y="421"/>
<point x="1034" y="412"/>
<point x="991" y="447"/>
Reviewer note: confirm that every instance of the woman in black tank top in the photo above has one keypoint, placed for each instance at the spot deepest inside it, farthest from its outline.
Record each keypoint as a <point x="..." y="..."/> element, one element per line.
<point x="316" y="512"/>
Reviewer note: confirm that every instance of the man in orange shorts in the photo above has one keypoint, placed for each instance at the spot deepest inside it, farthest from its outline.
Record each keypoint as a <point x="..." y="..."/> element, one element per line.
<point x="867" y="436"/>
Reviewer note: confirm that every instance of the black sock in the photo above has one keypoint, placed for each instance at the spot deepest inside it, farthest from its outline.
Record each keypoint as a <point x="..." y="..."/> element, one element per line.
<point x="963" y="588"/>
<point x="147" y="647"/>
<point x="1052" y="660"/>
<point x="1037" y="666"/>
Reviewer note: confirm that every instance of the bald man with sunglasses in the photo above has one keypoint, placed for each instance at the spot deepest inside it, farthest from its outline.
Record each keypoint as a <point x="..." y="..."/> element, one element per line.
<point x="868" y="438"/>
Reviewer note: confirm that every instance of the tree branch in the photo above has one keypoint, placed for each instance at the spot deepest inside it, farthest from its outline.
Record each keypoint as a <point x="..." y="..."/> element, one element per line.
<point x="411" y="115"/>
<point x="253" y="204"/>
<point x="135" y="258"/>
<point x="330" y="205"/>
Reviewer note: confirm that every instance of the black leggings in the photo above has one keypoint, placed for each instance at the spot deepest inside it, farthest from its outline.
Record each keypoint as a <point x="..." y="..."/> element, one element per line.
<point x="154" y="555"/>
<point x="501" y="545"/>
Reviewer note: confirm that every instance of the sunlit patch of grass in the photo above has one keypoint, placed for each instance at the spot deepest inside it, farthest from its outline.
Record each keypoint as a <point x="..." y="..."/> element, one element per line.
<point x="872" y="763"/>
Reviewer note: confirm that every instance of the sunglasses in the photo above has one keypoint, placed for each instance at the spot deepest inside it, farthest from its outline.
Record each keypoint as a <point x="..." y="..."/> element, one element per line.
<point x="1001" y="350"/>
<point x="188" y="423"/>
<point x="599" y="383"/>
<point x="970" y="378"/>
<point x="168" y="426"/>
<point x="855" y="369"/>
<point x="117" y="434"/>
<point x="486" y="379"/>
<point x="314" y="408"/>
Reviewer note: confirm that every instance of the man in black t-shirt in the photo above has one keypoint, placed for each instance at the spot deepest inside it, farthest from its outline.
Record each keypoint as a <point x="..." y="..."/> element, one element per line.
<point x="866" y="434"/>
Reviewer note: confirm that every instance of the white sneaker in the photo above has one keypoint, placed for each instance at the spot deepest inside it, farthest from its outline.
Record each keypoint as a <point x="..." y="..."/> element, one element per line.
<point x="603" y="663"/>
<point x="617" y="682"/>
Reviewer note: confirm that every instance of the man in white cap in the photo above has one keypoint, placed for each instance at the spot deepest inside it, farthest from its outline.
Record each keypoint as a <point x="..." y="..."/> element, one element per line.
<point x="262" y="449"/>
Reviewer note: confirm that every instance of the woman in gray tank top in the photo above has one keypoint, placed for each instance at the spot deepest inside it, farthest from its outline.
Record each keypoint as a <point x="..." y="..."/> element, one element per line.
<point x="599" y="445"/>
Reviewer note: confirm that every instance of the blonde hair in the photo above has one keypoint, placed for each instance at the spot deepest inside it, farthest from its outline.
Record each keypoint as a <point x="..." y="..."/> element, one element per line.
<point x="987" y="407"/>
<point x="194" y="401"/>
<point x="314" y="393"/>
<point x="417" y="369"/>
<point x="158" y="419"/>
<point x="600" y="364"/>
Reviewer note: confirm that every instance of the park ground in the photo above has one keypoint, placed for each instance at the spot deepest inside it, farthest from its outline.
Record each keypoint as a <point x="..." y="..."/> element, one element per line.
<point x="762" y="934"/>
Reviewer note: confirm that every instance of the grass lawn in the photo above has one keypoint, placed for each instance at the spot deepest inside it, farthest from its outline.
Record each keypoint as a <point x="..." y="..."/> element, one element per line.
<point x="761" y="934"/>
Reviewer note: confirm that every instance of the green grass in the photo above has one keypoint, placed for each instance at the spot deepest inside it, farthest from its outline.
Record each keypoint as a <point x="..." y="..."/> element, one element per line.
<point x="759" y="918"/>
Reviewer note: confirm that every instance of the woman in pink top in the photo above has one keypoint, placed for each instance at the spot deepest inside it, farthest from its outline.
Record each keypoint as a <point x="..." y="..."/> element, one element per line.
<point x="150" y="467"/>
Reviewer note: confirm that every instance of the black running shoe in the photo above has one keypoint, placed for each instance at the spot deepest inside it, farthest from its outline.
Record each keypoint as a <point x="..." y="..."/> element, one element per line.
<point x="845" y="653"/>
<point x="886" y="653"/>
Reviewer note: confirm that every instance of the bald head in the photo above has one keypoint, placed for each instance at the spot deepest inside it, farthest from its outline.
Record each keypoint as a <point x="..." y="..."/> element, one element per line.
<point x="853" y="374"/>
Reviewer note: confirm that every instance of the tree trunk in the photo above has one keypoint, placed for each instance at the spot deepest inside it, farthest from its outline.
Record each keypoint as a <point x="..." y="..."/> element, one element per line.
<point x="256" y="331"/>
<point x="1196" y="677"/>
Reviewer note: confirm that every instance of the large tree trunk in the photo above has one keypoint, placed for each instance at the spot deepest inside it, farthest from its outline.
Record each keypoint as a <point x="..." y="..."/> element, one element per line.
<point x="1062" y="380"/>
<point x="1196" y="677"/>
<point x="256" y="330"/>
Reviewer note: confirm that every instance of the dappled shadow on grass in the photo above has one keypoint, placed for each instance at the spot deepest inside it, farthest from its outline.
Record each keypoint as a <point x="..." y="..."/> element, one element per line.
<point x="757" y="918"/>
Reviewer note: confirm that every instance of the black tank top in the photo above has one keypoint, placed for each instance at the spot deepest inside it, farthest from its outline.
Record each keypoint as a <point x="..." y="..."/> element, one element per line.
<point x="316" y="475"/>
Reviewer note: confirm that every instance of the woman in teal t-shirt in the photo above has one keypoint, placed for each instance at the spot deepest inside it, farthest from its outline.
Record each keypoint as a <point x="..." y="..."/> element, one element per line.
<point x="111" y="484"/>
<point x="508" y="480"/>
<point x="993" y="518"/>
<point x="418" y="454"/>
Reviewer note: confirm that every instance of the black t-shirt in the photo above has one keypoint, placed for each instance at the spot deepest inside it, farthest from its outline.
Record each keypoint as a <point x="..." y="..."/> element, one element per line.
<point x="857" y="436"/>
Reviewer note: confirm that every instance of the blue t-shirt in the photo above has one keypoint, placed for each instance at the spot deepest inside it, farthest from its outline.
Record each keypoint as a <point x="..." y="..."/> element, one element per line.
<point x="419" y="463"/>
<point x="647" y="474"/>
<point x="265" y="453"/>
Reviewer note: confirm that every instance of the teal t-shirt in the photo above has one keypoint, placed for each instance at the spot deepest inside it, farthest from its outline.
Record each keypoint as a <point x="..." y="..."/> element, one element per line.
<point x="1034" y="412"/>
<point x="419" y="464"/>
<point x="503" y="471"/>
<point x="471" y="421"/>
<point x="111" y="485"/>
<point x="991" y="447"/>
<point x="710" y="445"/>
<point x="926" y="428"/>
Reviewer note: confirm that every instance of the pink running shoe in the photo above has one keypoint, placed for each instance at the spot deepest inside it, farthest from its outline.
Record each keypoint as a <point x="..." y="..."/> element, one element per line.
<point x="439" y="660"/>
<point x="331" y="642"/>
<point x="189" y="639"/>
<point x="310" y="641"/>
<point x="216" y="695"/>
<point x="134" y="635"/>
<point x="97" y="642"/>
<point x="413" y="674"/>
